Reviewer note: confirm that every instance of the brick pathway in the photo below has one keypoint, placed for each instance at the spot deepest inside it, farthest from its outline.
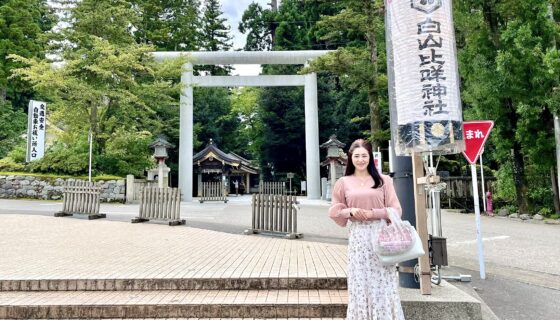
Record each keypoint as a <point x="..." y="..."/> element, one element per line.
<point x="40" y="247"/>
<point x="76" y="268"/>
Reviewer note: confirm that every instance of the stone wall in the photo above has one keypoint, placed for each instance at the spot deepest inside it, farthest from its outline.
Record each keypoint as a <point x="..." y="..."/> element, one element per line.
<point x="51" y="189"/>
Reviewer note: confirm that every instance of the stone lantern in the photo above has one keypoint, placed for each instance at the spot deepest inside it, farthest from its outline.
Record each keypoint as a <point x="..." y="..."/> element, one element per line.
<point x="336" y="161"/>
<point x="160" y="146"/>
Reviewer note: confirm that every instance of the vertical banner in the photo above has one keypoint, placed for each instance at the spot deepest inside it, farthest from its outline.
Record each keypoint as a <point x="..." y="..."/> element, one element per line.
<point x="426" y="110"/>
<point x="36" y="128"/>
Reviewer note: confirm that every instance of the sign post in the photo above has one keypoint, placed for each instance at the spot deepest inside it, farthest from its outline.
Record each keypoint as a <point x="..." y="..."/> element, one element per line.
<point x="475" y="135"/>
<point x="290" y="176"/>
<point x="482" y="181"/>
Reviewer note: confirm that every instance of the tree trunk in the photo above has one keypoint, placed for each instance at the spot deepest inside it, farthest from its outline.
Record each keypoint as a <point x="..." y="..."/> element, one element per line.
<point x="375" y="117"/>
<point x="373" y="94"/>
<point x="555" y="190"/>
<point x="519" y="178"/>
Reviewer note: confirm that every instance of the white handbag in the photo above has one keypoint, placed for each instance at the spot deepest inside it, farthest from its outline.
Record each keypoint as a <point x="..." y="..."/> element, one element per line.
<point x="398" y="241"/>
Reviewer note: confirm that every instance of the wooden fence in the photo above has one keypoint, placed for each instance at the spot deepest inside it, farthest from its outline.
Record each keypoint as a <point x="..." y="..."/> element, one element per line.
<point x="275" y="214"/>
<point x="269" y="187"/>
<point x="134" y="188"/>
<point x="160" y="204"/>
<point x="81" y="197"/>
<point x="458" y="193"/>
<point x="213" y="191"/>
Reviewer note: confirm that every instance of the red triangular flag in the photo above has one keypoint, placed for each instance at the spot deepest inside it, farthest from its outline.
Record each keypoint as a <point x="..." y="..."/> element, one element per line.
<point x="475" y="134"/>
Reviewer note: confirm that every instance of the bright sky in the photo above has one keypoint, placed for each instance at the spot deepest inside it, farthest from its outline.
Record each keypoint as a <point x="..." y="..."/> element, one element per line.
<point x="233" y="11"/>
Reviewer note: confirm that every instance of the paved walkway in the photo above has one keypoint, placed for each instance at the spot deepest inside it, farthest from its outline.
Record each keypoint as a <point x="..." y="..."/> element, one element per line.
<point x="73" y="267"/>
<point x="41" y="247"/>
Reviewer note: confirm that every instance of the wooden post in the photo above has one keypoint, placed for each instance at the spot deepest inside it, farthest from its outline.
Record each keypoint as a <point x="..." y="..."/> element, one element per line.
<point x="421" y="223"/>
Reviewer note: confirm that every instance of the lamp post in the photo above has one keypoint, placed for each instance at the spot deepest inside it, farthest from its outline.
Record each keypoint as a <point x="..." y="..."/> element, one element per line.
<point x="160" y="146"/>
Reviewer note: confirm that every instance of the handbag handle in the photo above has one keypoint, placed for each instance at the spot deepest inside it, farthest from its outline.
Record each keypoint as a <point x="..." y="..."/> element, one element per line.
<point x="393" y="216"/>
<point x="396" y="220"/>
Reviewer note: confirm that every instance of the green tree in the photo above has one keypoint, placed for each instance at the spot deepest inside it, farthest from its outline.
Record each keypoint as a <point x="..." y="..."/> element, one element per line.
<point x="12" y="126"/>
<point x="107" y="81"/>
<point x="258" y="23"/>
<point x="357" y="30"/>
<point x="509" y="67"/>
<point x="215" y="35"/>
<point x="246" y="108"/>
<point x="22" y="26"/>
<point x="170" y="25"/>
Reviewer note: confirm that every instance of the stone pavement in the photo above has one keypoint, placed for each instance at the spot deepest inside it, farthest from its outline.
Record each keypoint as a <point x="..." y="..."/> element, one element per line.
<point x="76" y="268"/>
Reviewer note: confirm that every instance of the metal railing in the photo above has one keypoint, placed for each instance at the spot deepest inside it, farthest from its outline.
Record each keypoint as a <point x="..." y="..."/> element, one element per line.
<point x="160" y="204"/>
<point x="81" y="197"/>
<point x="275" y="214"/>
<point x="213" y="191"/>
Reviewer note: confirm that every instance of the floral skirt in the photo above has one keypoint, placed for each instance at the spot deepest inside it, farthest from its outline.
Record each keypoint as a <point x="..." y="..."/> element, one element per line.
<point x="372" y="288"/>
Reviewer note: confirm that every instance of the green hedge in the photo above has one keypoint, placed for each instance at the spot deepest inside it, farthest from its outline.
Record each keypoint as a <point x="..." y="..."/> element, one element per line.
<point x="49" y="176"/>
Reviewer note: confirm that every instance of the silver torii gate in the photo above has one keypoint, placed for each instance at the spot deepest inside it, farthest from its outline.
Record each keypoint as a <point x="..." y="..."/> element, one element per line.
<point x="188" y="80"/>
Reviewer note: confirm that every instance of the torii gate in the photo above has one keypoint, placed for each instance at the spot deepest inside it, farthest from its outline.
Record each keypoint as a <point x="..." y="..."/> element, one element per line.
<point x="188" y="80"/>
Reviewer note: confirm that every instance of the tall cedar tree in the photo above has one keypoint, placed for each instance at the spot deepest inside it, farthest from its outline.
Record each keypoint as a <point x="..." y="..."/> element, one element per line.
<point x="22" y="27"/>
<point x="215" y="33"/>
<point x="170" y="25"/>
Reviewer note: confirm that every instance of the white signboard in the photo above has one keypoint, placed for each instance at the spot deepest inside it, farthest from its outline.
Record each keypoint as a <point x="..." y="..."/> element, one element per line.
<point x="36" y="128"/>
<point x="378" y="161"/>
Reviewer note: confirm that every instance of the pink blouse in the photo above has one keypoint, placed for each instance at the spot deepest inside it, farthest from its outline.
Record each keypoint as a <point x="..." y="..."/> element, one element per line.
<point x="355" y="192"/>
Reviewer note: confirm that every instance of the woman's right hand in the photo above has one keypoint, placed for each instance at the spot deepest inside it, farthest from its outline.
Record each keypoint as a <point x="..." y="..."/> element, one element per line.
<point x="359" y="214"/>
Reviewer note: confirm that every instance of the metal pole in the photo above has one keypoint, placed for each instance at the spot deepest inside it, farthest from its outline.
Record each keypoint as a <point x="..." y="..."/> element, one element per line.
<point x="477" y="219"/>
<point x="482" y="182"/>
<point x="434" y="208"/>
<point x="90" y="140"/>
<point x="391" y="157"/>
<point x="405" y="191"/>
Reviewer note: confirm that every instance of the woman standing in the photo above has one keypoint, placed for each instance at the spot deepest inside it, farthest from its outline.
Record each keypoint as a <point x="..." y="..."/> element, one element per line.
<point x="361" y="196"/>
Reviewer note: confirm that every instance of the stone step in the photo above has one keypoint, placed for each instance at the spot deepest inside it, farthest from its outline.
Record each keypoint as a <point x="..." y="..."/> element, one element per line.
<point x="338" y="283"/>
<point x="173" y="304"/>
<point x="446" y="302"/>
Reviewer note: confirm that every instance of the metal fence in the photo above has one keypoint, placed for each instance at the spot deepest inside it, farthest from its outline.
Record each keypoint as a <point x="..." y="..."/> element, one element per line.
<point x="81" y="197"/>
<point x="213" y="191"/>
<point x="269" y="187"/>
<point x="275" y="214"/>
<point x="160" y="204"/>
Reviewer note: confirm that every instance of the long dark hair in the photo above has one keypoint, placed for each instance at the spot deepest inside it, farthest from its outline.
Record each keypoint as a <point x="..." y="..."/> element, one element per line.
<point x="350" y="169"/>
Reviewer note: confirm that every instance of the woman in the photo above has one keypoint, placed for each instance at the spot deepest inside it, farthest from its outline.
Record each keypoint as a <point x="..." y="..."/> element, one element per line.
<point x="361" y="196"/>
